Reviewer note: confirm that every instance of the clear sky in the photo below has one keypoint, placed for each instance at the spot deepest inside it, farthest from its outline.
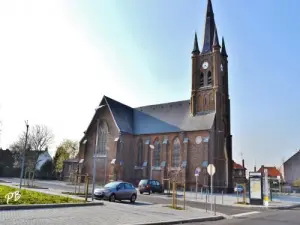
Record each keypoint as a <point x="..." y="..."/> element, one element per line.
<point x="58" y="58"/>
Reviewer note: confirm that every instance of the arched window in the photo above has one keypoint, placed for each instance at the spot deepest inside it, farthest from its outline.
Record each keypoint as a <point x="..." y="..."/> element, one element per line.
<point x="176" y="153"/>
<point x="140" y="153"/>
<point x="102" y="138"/>
<point x="156" y="153"/>
<point x="209" y="78"/>
<point x="201" y="80"/>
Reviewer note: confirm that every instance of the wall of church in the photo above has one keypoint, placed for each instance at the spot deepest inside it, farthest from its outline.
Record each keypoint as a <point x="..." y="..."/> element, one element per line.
<point x="103" y="114"/>
<point x="196" y="154"/>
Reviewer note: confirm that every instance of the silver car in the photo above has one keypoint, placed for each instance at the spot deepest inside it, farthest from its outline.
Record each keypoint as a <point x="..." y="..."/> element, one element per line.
<point x="117" y="190"/>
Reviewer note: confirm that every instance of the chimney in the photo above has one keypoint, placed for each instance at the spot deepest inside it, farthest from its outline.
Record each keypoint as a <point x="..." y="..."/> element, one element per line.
<point x="243" y="164"/>
<point x="254" y="168"/>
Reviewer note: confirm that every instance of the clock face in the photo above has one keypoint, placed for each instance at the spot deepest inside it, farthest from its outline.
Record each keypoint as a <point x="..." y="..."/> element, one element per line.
<point x="198" y="140"/>
<point x="205" y="65"/>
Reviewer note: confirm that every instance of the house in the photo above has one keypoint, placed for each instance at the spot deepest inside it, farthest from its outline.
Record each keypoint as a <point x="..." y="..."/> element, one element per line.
<point x="71" y="166"/>
<point x="6" y="162"/>
<point x="273" y="172"/>
<point x="43" y="157"/>
<point x="292" y="168"/>
<point x="239" y="173"/>
<point x="169" y="141"/>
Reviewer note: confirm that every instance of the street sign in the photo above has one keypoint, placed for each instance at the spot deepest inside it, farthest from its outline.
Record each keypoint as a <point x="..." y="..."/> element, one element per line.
<point x="211" y="169"/>
<point x="197" y="171"/>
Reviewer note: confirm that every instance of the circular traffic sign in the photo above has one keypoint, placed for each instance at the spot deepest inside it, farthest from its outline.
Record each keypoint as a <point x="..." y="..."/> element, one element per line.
<point x="197" y="171"/>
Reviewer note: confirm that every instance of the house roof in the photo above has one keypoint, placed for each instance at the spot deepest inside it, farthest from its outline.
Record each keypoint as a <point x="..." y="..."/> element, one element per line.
<point x="160" y="118"/>
<point x="237" y="166"/>
<point x="272" y="171"/>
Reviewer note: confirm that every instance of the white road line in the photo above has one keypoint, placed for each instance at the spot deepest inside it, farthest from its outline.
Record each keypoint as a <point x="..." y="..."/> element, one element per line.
<point x="244" y="214"/>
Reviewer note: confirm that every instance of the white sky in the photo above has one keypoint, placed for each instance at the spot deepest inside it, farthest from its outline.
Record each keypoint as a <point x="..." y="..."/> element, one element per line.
<point x="46" y="64"/>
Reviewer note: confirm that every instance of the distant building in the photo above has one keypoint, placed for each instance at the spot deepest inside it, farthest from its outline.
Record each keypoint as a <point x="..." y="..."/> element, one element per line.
<point x="71" y="166"/>
<point x="292" y="168"/>
<point x="273" y="172"/>
<point x="239" y="173"/>
<point x="6" y="161"/>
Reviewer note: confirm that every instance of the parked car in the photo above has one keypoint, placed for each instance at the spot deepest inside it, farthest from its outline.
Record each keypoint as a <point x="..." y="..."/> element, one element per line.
<point x="150" y="186"/>
<point x="239" y="188"/>
<point x="117" y="190"/>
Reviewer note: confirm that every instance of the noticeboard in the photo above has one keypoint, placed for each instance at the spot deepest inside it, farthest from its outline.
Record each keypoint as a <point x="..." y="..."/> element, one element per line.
<point x="256" y="188"/>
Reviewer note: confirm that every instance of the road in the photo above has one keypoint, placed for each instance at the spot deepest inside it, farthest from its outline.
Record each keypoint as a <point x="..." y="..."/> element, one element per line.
<point x="282" y="217"/>
<point x="153" y="198"/>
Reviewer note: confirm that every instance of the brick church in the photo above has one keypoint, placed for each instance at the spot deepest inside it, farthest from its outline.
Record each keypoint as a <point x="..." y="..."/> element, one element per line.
<point x="170" y="140"/>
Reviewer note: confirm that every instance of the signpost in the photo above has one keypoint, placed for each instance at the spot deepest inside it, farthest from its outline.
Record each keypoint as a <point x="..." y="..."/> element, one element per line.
<point x="256" y="190"/>
<point x="211" y="169"/>
<point x="197" y="171"/>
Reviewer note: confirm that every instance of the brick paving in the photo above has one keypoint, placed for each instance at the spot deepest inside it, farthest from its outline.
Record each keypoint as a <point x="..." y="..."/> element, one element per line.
<point x="110" y="213"/>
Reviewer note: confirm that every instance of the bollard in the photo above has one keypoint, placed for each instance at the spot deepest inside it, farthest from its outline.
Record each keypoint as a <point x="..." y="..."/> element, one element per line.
<point x="222" y="198"/>
<point x="201" y="193"/>
<point x="206" y="202"/>
<point x="184" y="195"/>
<point x="86" y="187"/>
<point x="215" y="204"/>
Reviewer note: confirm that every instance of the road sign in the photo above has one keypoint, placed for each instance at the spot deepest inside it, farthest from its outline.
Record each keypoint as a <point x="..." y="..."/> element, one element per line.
<point x="211" y="169"/>
<point x="197" y="171"/>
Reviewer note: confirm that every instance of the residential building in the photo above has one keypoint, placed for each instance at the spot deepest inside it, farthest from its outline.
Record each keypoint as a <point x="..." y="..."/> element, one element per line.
<point x="292" y="168"/>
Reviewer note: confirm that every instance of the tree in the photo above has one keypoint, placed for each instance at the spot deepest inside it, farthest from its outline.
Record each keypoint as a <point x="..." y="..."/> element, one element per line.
<point x="66" y="150"/>
<point x="40" y="137"/>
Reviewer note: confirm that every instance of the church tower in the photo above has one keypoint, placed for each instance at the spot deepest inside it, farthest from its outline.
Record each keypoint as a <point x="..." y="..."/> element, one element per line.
<point x="210" y="94"/>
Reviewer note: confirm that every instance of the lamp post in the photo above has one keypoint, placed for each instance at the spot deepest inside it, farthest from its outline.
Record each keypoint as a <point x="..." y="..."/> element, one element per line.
<point x="23" y="158"/>
<point x="151" y="158"/>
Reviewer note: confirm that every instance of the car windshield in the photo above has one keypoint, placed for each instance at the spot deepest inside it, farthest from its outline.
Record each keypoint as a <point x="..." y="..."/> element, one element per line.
<point x="111" y="185"/>
<point x="143" y="181"/>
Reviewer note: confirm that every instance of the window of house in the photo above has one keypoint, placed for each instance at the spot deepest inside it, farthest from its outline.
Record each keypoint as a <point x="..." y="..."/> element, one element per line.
<point x="176" y="153"/>
<point x="209" y="78"/>
<point x="102" y="138"/>
<point x="201" y="80"/>
<point x="156" y="153"/>
<point x="140" y="153"/>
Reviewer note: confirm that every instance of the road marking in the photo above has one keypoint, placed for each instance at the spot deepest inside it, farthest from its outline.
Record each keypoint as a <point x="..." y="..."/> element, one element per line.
<point x="244" y="214"/>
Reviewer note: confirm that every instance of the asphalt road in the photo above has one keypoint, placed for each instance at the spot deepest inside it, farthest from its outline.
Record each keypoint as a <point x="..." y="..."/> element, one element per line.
<point x="282" y="217"/>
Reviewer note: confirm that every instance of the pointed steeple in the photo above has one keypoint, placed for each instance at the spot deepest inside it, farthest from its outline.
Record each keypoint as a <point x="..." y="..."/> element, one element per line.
<point x="209" y="29"/>
<point x="216" y="44"/>
<point x="196" y="50"/>
<point x="223" y="51"/>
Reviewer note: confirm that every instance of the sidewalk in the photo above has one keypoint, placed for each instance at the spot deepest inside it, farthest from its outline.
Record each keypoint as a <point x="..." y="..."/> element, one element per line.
<point x="111" y="213"/>
<point x="229" y="199"/>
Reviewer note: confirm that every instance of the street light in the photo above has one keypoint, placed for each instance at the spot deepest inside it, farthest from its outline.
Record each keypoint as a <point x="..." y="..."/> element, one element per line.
<point x="151" y="156"/>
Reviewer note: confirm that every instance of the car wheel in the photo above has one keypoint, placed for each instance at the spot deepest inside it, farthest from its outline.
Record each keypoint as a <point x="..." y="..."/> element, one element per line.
<point x="133" y="198"/>
<point x="112" y="198"/>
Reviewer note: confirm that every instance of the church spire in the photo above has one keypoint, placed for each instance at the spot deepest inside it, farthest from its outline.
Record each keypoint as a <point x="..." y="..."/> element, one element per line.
<point x="223" y="51"/>
<point x="216" y="44"/>
<point x="209" y="29"/>
<point x="196" y="50"/>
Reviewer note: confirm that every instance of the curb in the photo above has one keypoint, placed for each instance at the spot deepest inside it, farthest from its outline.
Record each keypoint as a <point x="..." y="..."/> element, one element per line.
<point x="46" y="206"/>
<point x="203" y="219"/>
<point x="285" y="207"/>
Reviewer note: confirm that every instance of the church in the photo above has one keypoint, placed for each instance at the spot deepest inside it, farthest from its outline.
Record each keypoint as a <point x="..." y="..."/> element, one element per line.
<point x="169" y="141"/>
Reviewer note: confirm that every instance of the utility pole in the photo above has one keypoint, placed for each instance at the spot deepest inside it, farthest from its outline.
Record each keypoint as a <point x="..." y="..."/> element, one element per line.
<point x="23" y="158"/>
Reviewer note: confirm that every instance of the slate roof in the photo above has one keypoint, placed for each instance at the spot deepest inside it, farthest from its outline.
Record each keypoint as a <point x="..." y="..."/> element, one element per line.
<point x="160" y="118"/>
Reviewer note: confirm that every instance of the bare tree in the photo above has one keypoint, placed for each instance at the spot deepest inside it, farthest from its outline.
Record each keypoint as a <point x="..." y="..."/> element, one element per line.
<point x="40" y="137"/>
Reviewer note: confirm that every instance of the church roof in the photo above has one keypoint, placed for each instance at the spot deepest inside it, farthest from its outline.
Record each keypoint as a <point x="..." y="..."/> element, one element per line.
<point x="160" y="118"/>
